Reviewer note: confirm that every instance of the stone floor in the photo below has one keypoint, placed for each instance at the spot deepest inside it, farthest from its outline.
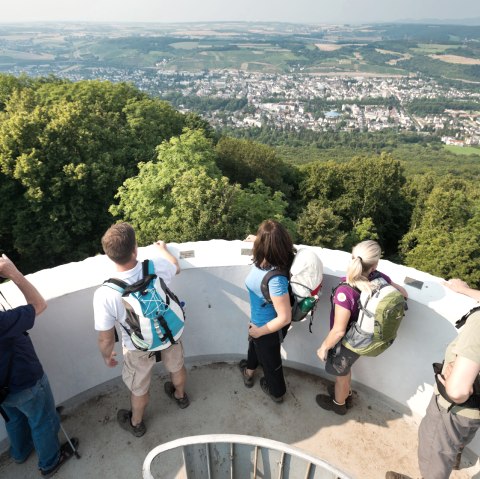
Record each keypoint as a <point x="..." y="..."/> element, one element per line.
<point x="372" y="438"/>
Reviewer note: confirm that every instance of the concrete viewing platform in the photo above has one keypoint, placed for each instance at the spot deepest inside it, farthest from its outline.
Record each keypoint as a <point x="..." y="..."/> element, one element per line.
<point x="378" y="434"/>
<point x="370" y="439"/>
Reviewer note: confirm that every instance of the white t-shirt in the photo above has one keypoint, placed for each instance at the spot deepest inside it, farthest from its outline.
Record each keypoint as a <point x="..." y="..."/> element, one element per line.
<point x="107" y="303"/>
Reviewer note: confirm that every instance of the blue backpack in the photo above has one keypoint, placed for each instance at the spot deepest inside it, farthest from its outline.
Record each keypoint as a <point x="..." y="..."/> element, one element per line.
<point x="155" y="316"/>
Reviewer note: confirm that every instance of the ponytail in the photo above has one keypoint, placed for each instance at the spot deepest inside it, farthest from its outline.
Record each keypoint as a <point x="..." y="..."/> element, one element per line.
<point x="364" y="255"/>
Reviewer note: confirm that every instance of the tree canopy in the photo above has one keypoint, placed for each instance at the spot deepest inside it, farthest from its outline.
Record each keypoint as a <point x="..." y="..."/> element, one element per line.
<point x="64" y="150"/>
<point x="445" y="238"/>
<point x="363" y="188"/>
<point x="182" y="196"/>
<point x="75" y="157"/>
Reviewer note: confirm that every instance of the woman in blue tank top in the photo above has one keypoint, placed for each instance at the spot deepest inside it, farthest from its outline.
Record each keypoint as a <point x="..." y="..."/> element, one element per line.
<point x="272" y="249"/>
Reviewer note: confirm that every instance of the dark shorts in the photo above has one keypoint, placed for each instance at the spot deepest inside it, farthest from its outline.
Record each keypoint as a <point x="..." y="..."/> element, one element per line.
<point x="340" y="360"/>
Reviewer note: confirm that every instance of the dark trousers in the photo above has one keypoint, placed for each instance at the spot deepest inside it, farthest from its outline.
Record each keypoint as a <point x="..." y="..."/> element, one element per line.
<point x="265" y="350"/>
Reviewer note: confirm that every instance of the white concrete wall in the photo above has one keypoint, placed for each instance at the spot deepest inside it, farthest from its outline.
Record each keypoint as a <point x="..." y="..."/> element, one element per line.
<point x="212" y="285"/>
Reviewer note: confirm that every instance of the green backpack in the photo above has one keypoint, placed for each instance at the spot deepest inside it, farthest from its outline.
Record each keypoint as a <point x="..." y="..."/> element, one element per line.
<point x="379" y="317"/>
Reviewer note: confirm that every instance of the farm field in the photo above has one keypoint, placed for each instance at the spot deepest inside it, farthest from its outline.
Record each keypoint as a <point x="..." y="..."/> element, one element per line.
<point x="447" y="52"/>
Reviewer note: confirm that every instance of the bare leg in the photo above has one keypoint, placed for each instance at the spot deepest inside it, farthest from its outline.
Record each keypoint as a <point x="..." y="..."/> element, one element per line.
<point x="178" y="379"/>
<point x="342" y="387"/>
<point x="139" y="403"/>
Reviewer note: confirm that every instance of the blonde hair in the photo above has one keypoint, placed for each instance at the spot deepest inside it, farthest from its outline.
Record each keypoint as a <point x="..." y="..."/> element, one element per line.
<point x="365" y="255"/>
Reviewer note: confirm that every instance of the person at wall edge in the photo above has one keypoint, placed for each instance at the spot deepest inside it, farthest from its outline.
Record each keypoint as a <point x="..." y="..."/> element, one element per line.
<point x="339" y="359"/>
<point x="32" y="421"/>
<point x="449" y="425"/>
<point x="120" y="245"/>
<point x="272" y="249"/>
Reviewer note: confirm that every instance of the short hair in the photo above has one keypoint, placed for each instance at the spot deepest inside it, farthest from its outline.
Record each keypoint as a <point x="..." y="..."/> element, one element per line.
<point x="273" y="246"/>
<point x="119" y="243"/>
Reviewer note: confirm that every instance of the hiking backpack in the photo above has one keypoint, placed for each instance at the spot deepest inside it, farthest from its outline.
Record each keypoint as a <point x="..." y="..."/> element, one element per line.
<point x="304" y="284"/>
<point x="380" y="312"/>
<point x="155" y="316"/>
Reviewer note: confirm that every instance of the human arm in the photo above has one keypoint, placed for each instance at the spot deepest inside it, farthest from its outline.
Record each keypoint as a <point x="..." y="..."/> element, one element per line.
<point x="32" y="296"/>
<point x="341" y="319"/>
<point x="458" y="378"/>
<point x="401" y="289"/>
<point x="284" y="316"/>
<point x="162" y="249"/>
<point x="250" y="238"/>
<point x="106" y="343"/>
<point x="460" y="286"/>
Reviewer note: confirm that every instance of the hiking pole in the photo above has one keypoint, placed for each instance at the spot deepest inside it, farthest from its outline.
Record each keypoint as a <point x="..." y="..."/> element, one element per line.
<point x="74" y="449"/>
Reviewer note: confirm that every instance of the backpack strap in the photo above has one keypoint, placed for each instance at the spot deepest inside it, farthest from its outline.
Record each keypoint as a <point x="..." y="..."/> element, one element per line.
<point x="119" y="286"/>
<point x="149" y="271"/>
<point x="334" y="290"/>
<point x="266" y="279"/>
<point x="464" y="318"/>
<point x="148" y="267"/>
<point x="473" y="402"/>
<point x="116" y="284"/>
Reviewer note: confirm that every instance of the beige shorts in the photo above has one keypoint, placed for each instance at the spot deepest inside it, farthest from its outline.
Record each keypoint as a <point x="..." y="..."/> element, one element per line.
<point x="138" y="365"/>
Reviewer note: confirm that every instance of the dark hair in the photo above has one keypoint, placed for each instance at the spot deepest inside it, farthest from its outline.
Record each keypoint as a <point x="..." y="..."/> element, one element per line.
<point x="119" y="243"/>
<point x="273" y="246"/>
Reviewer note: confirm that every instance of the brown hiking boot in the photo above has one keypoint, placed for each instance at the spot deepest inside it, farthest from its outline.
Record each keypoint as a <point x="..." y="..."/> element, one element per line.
<point x="247" y="380"/>
<point x="124" y="418"/>
<point x="328" y="403"/>
<point x="182" y="403"/>
<point x="266" y="390"/>
<point x="348" y="400"/>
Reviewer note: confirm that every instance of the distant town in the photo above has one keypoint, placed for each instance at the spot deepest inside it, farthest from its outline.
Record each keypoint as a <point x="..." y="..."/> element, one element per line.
<point x="281" y="100"/>
<point x="281" y="76"/>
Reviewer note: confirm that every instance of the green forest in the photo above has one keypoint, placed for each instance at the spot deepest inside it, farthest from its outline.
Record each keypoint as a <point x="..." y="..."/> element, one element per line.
<point x="77" y="157"/>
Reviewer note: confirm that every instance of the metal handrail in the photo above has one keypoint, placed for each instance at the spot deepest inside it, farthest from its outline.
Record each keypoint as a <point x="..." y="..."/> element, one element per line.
<point x="311" y="465"/>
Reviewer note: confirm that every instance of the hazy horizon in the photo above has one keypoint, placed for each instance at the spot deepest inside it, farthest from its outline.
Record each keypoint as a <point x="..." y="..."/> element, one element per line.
<point x="184" y="11"/>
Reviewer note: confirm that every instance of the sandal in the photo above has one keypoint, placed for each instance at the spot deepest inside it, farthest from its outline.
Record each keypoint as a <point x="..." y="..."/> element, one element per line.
<point x="66" y="452"/>
<point x="247" y="380"/>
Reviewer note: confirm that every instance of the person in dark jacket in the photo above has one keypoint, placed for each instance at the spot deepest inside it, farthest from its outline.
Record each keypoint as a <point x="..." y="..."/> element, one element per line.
<point x="28" y="408"/>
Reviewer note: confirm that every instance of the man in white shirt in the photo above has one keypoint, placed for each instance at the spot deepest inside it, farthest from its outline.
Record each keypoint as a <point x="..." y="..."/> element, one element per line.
<point x="119" y="244"/>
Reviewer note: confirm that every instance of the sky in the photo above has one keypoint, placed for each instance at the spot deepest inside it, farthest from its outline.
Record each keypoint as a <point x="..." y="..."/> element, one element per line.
<point x="297" y="11"/>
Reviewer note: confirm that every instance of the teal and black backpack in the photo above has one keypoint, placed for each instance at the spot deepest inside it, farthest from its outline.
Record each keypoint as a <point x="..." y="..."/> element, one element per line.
<point x="155" y="316"/>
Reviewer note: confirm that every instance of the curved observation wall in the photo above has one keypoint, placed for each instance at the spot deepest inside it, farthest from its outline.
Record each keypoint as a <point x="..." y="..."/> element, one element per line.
<point x="212" y="285"/>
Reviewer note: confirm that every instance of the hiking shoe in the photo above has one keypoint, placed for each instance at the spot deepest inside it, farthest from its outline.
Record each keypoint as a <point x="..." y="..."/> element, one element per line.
<point x="66" y="452"/>
<point x="182" y="403"/>
<point x="348" y="399"/>
<point x="124" y="418"/>
<point x="247" y="380"/>
<point x="326" y="402"/>
<point x="266" y="390"/>
<point x="396" y="475"/>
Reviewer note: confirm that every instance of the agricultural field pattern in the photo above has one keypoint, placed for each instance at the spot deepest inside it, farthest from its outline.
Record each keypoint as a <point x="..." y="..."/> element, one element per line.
<point x="449" y="52"/>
